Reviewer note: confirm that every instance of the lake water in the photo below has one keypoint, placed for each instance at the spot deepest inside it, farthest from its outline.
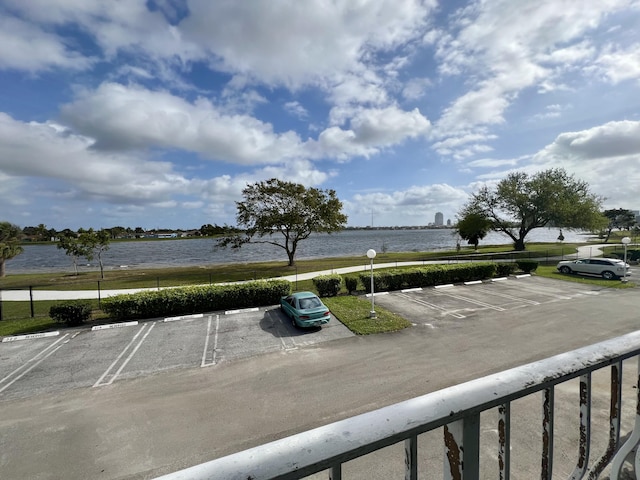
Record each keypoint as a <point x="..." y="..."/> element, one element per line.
<point x="202" y="251"/>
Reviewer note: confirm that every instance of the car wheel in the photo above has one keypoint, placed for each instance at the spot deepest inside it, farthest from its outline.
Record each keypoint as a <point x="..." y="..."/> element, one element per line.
<point x="565" y="269"/>
<point x="607" y="275"/>
<point x="293" y="322"/>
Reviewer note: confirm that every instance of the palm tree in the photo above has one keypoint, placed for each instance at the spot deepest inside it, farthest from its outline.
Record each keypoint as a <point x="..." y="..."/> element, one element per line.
<point x="9" y="243"/>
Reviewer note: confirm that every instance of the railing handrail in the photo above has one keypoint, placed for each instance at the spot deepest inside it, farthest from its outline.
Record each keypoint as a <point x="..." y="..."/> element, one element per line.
<point x="315" y="450"/>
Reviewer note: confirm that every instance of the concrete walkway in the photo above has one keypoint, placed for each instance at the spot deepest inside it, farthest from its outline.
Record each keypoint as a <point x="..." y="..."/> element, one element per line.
<point x="586" y="251"/>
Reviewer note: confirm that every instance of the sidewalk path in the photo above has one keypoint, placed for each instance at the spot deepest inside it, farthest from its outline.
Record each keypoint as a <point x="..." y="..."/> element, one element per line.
<point x="23" y="295"/>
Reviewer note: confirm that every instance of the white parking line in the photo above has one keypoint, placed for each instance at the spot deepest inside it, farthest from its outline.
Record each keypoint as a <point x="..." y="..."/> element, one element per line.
<point x="510" y="297"/>
<point x="115" y="362"/>
<point x="52" y="349"/>
<point x="431" y="305"/>
<point x="215" y="343"/>
<point x="476" y="302"/>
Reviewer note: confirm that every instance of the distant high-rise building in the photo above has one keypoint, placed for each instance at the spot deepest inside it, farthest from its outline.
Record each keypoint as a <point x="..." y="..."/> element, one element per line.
<point x="439" y="219"/>
<point x="448" y="222"/>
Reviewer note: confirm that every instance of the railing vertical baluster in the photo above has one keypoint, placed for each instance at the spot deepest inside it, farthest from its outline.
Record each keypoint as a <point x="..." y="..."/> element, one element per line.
<point x="504" y="434"/>
<point x="336" y="472"/>
<point x="453" y="451"/>
<point x="547" y="434"/>
<point x="462" y="449"/>
<point x="585" y="428"/>
<point x="633" y="440"/>
<point x="471" y="450"/>
<point x="411" y="458"/>
<point x="614" y="422"/>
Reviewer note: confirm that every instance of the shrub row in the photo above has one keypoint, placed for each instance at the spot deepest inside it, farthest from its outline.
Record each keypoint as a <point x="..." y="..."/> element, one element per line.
<point x="186" y="300"/>
<point x="71" y="313"/>
<point x="527" y="266"/>
<point x="428" y="276"/>
<point x="328" y="285"/>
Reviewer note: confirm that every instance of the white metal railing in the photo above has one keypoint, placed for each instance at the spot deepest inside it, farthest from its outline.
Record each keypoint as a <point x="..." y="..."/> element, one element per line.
<point x="457" y="409"/>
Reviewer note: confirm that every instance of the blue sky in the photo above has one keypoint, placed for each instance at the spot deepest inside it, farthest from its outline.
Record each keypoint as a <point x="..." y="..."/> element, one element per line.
<point x="158" y="113"/>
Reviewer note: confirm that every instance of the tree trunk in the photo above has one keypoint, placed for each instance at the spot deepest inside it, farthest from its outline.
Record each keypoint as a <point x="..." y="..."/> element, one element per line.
<point x="2" y="269"/>
<point x="518" y="244"/>
<point x="291" y="256"/>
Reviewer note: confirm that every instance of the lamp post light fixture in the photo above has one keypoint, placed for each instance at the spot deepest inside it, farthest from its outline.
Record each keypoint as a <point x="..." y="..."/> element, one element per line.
<point x="625" y="242"/>
<point x="371" y="253"/>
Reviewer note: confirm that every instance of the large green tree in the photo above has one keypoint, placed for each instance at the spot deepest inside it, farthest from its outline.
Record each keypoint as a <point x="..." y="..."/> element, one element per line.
<point x="283" y="214"/>
<point x="521" y="202"/>
<point x="86" y="244"/>
<point x="618" y="218"/>
<point x="9" y="243"/>
<point x="473" y="227"/>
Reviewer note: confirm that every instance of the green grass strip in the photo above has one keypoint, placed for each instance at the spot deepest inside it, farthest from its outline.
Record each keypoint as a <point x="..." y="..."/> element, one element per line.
<point x="354" y="312"/>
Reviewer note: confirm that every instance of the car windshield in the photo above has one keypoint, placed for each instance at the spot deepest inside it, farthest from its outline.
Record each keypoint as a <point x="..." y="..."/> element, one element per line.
<point x="310" y="302"/>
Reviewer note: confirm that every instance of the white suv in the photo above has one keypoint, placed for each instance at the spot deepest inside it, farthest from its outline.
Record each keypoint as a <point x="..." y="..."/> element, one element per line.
<point x="608" y="268"/>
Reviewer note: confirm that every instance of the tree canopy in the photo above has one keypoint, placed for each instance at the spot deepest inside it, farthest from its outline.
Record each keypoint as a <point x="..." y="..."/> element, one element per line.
<point x="9" y="243"/>
<point x="619" y="218"/>
<point x="87" y="244"/>
<point x="521" y="202"/>
<point x="283" y="214"/>
<point x="473" y="227"/>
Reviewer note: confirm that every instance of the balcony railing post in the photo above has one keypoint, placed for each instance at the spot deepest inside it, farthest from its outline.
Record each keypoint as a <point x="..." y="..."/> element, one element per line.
<point x="585" y="428"/>
<point x="504" y="437"/>
<point x="462" y="449"/>
<point x="614" y="422"/>
<point x="547" y="434"/>
<point x="411" y="458"/>
<point x="632" y="442"/>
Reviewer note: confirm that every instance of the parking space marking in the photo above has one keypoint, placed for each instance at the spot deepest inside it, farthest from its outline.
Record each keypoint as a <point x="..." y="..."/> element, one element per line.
<point x="430" y="305"/>
<point x="277" y="321"/>
<point x="510" y="297"/>
<point x="100" y="382"/>
<point x="183" y="317"/>
<point x="51" y="350"/>
<point x="215" y="343"/>
<point x="475" y="302"/>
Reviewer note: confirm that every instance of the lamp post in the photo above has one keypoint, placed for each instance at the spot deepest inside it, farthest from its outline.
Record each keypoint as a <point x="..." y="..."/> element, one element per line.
<point x="371" y="253"/>
<point x="625" y="242"/>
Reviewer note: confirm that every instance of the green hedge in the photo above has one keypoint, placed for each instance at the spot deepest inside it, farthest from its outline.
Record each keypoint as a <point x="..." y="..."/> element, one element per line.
<point x="71" y="313"/>
<point x="328" y="285"/>
<point x="527" y="266"/>
<point x="427" y="276"/>
<point x="187" y="300"/>
<point x="505" y="269"/>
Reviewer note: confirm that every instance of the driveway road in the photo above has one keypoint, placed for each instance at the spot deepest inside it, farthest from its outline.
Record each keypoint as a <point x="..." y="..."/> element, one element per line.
<point x="146" y="426"/>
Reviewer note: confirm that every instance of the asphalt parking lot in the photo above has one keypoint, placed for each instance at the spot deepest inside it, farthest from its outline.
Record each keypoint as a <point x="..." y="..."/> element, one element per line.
<point x="457" y="304"/>
<point x="35" y="364"/>
<point x="151" y="398"/>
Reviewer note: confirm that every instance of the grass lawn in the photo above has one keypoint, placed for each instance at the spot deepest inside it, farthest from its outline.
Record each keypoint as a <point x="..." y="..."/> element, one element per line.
<point x="354" y="312"/>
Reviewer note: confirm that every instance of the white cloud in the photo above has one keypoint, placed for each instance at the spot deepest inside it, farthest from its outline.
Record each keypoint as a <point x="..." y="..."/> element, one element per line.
<point x="411" y="205"/>
<point x="122" y="117"/>
<point x="606" y="156"/>
<point x="25" y="47"/>
<point x="617" y="64"/>
<point x="371" y="130"/>
<point x="296" y="43"/>
<point x="47" y="151"/>
<point x="504" y="47"/>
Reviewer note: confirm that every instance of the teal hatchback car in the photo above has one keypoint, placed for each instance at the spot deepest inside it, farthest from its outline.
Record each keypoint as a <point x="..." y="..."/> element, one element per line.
<point x="305" y="309"/>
